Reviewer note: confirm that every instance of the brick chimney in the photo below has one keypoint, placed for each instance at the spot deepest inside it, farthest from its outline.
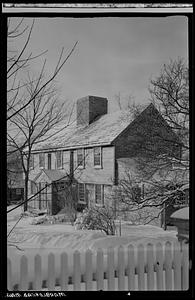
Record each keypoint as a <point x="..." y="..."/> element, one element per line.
<point x="89" y="108"/>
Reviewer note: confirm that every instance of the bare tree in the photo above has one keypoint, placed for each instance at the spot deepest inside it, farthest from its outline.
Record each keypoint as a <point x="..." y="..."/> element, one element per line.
<point x="33" y="124"/>
<point x="162" y="154"/>
<point x="19" y="61"/>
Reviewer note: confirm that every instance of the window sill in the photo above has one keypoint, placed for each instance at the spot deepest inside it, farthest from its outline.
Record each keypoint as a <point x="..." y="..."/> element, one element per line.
<point x="81" y="202"/>
<point x="99" y="205"/>
<point x="98" y="167"/>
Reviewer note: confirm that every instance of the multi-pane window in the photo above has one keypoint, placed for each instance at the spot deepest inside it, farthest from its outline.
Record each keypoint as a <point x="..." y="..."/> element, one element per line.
<point x="41" y="160"/>
<point x="80" y="158"/>
<point x="59" y="159"/>
<point x="97" y="157"/>
<point x="99" y="194"/>
<point x="81" y="192"/>
<point x="31" y="162"/>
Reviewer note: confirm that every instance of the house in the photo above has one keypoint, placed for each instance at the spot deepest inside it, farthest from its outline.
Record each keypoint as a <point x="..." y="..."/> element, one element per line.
<point x="15" y="182"/>
<point x="87" y="152"/>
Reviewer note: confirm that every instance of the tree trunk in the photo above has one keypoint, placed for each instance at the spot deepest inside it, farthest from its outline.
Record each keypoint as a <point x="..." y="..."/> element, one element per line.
<point x="26" y="193"/>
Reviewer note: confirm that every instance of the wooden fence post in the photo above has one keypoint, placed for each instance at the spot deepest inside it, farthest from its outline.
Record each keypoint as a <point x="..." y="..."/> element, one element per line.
<point x="76" y="271"/>
<point x="177" y="266"/>
<point x="131" y="268"/>
<point x="100" y="270"/>
<point x="159" y="266"/>
<point x="51" y="272"/>
<point x="110" y="269"/>
<point x="64" y="272"/>
<point x="168" y="266"/>
<point x="23" y="286"/>
<point x="88" y="270"/>
<point x="37" y="283"/>
<point x="121" y="269"/>
<point x="140" y="268"/>
<point x="150" y="267"/>
<point x="9" y="275"/>
<point x="185" y="266"/>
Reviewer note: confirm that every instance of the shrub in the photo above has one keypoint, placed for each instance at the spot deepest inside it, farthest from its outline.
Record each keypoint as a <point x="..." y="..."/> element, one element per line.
<point x="97" y="218"/>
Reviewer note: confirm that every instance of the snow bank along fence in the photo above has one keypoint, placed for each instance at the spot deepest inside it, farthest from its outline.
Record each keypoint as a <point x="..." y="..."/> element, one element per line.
<point x="150" y="267"/>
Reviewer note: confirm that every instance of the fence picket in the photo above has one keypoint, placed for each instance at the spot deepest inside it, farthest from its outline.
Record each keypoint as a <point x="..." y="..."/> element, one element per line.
<point x="37" y="283"/>
<point x="165" y="265"/>
<point x="100" y="270"/>
<point x="76" y="271"/>
<point x="140" y="268"/>
<point x="110" y="269"/>
<point x="159" y="266"/>
<point x="131" y="268"/>
<point x="23" y="286"/>
<point x="177" y="267"/>
<point x="185" y="267"/>
<point x="88" y="270"/>
<point x="9" y="275"/>
<point x="64" y="272"/>
<point x="168" y="266"/>
<point x="150" y="267"/>
<point x="51" y="272"/>
<point x="121" y="269"/>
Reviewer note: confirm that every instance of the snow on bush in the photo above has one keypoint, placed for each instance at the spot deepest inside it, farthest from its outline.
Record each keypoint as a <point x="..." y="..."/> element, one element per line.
<point x="97" y="218"/>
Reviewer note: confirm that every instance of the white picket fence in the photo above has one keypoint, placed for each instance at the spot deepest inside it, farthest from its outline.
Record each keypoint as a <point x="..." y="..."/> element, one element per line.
<point x="150" y="267"/>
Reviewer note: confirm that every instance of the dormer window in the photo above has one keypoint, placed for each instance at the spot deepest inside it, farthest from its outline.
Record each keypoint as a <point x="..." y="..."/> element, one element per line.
<point x="41" y="160"/>
<point x="98" y="157"/>
<point x="80" y="158"/>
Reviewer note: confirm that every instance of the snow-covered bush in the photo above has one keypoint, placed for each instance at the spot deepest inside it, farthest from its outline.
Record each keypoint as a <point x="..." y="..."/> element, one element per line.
<point x="97" y="218"/>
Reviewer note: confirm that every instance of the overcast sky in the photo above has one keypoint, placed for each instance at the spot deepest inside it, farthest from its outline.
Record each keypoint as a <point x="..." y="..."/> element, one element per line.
<point x="113" y="54"/>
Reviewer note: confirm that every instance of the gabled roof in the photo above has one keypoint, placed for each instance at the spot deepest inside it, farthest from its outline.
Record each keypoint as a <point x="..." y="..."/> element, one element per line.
<point x="102" y="131"/>
<point x="52" y="175"/>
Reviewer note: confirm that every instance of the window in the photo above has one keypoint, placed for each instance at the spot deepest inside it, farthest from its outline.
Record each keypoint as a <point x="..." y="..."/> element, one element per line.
<point x="42" y="160"/>
<point x="97" y="157"/>
<point x="18" y="192"/>
<point x="99" y="194"/>
<point x="81" y="192"/>
<point x="80" y="158"/>
<point x="49" y="161"/>
<point x="31" y="162"/>
<point x="59" y="159"/>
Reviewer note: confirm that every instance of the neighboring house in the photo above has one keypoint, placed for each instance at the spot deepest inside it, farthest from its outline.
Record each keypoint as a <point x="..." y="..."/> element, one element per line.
<point x="88" y="152"/>
<point x="15" y="182"/>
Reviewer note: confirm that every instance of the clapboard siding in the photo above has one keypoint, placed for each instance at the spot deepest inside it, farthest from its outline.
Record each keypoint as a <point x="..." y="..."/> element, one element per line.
<point x="91" y="174"/>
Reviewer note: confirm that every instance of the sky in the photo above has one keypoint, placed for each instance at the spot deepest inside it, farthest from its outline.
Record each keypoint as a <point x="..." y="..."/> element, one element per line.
<point x="113" y="55"/>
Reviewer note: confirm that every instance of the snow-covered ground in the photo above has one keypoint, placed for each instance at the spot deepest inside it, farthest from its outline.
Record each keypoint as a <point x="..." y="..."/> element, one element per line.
<point x="57" y="238"/>
<point x="64" y="236"/>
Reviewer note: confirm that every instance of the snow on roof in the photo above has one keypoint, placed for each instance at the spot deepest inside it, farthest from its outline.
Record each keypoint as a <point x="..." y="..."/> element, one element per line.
<point x="102" y="131"/>
<point x="182" y="213"/>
